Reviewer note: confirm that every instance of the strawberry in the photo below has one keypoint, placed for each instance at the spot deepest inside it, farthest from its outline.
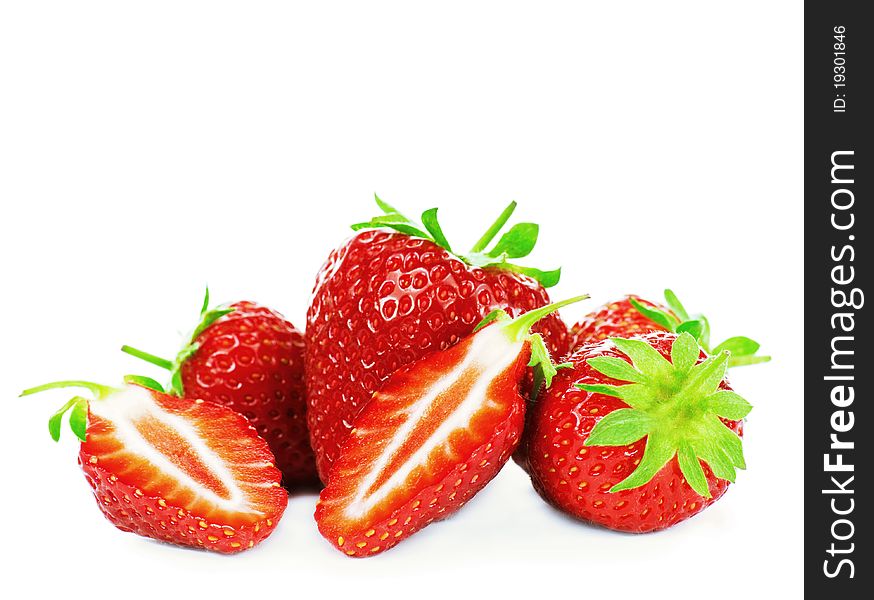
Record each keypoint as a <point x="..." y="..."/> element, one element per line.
<point x="387" y="298"/>
<point x="187" y="472"/>
<point x="618" y="318"/>
<point x="437" y="431"/>
<point x="632" y="315"/>
<point x="249" y="358"/>
<point x="640" y="434"/>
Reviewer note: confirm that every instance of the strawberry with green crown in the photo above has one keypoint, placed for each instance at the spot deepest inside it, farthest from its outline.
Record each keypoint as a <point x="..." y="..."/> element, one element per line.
<point x="638" y="434"/>
<point x="397" y="291"/>
<point x="633" y="315"/>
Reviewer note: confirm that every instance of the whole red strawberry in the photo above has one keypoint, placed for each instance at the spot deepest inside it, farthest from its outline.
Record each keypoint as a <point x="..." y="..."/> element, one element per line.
<point x="250" y="358"/>
<point x="395" y="292"/>
<point x="619" y="318"/>
<point x="434" y="435"/>
<point x="187" y="472"/>
<point x="639" y="434"/>
<point x="633" y="315"/>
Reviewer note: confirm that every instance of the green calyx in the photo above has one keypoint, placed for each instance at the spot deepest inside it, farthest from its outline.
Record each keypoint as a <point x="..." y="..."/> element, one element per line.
<point x="677" y="405"/>
<point x="743" y="349"/>
<point x="518" y="331"/>
<point x="207" y="318"/>
<point x="77" y="406"/>
<point x="517" y="242"/>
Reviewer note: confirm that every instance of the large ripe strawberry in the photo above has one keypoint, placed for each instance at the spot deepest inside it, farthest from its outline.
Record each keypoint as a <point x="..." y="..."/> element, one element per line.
<point x="639" y="434"/>
<point x="386" y="298"/>
<point x="249" y="358"/>
<point x="188" y="472"/>
<point x="437" y="431"/>
<point x="633" y="315"/>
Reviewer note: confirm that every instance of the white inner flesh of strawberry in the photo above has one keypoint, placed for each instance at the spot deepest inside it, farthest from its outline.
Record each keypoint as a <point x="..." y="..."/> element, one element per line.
<point x="491" y="353"/>
<point x="132" y="403"/>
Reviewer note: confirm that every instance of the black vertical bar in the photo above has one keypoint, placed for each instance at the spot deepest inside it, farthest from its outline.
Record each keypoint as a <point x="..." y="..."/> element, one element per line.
<point x="839" y="224"/>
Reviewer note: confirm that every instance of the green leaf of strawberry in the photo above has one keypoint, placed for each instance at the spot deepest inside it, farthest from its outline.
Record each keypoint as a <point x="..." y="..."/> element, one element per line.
<point x="146" y="382"/>
<point x="677" y="404"/>
<point x="207" y="317"/>
<point x="743" y="349"/>
<point x="77" y="406"/>
<point x="518" y="242"/>
<point x="666" y="320"/>
<point x="621" y="427"/>
<point x="78" y="418"/>
<point x="429" y="219"/>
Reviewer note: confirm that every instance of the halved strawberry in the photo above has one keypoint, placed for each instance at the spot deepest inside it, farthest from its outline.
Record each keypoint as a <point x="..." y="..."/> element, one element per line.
<point x="188" y="472"/>
<point x="435" y="433"/>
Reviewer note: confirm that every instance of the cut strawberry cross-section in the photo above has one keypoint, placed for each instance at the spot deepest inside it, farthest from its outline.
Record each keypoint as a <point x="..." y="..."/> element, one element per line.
<point x="437" y="432"/>
<point x="187" y="472"/>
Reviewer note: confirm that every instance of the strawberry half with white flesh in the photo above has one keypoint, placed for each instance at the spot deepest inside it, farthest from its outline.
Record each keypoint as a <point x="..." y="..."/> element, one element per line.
<point x="187" y="472"/>
<point x="436" y="432"/>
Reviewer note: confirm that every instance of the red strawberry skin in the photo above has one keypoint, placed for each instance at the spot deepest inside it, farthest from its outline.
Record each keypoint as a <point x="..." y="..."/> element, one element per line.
<point x="615" y="319"/>
<point x="384" y="300"/>
<point x="454" y="470"/>
<point x="576" y="478"/>
<point x="136" y="496"/>
<point x="252" y="361"/>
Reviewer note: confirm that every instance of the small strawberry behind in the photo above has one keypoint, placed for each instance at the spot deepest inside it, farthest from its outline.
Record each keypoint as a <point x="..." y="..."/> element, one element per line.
<point x="186" y="472"/>
<point x="634" y="315"/>
<point x="639" y="434"/>
<point x="436" y="432"/>
<point x="251" y="359"/>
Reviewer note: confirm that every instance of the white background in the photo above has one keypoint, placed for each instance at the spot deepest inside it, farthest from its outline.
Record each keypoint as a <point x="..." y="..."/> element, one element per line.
<point x="148" y="149"/>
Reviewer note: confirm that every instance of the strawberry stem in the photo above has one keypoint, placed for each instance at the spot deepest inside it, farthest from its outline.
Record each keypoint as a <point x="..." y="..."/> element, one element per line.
<point x="517" y="331"/>
<point x="492" y="231"/>
<point x="518" y="242"/>
<point x="519" y="327"/>
<point x="99" y="391"/>
<point x="77" y="406"/>
<point x="207" y="318"/>
<point x="150" y="358"/>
